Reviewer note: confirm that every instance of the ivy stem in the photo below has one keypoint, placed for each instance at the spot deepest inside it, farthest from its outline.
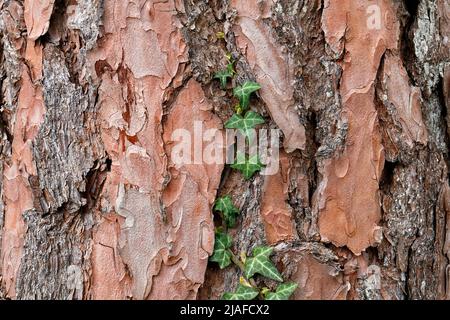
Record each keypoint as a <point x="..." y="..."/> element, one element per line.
<point x="241" y="266"/>
<point x="224" y="224"/>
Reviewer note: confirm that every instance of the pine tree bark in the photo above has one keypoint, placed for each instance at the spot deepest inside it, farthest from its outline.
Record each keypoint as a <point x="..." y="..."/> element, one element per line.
<point x="93" y="207"/>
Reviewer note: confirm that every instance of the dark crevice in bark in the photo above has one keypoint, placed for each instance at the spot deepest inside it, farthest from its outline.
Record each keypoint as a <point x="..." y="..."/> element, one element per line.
<point x="5" y="133"/>
<point x="314" y="146"/>
<point x="444" y="118"/>
<point x="407" y="17"/>
<point x="95" y="180"/>
<point x="59" y="20"/>
<point x="224" y="177"/>
<point x="388" y="174"/>
<point x="411" y="7"/>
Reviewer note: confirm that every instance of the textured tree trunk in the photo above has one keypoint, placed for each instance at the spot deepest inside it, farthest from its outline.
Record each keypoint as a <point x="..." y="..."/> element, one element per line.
<point x="93" y="206"/>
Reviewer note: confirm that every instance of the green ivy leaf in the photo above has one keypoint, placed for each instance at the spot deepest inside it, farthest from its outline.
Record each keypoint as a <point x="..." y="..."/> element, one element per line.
<point x="248" y="167"/>
<point x="223" y="75"/>
<point x="229" y="211"/>
<point x="244" y="124"/>
<point x="283" y="292"/>
<point x="242" y="293"/>
<point x="260" y="263"/>
<point x="243" y="92"/>
<point x="222" y="254"/>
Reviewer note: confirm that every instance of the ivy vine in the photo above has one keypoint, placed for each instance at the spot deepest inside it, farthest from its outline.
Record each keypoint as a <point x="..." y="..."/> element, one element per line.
<point x="259" y="262"/>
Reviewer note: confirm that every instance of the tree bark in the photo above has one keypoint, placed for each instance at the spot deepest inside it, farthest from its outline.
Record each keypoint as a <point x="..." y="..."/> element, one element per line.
<point x="94" y="207"/>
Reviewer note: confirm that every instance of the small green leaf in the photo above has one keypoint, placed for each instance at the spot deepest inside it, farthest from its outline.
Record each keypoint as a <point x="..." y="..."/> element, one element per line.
<point x="245" y="124"/>
<point x="248" y="167"/>
<point x="222" y="254"/>
<point x="243" y="92"/>
<point x="223" y="76"/>
<point x="220" y="35"/>
<point x="283" y="292"/>
<point x="229" y="211"/>
<point x="260" y="263"/>
<point x="242" y="293"/>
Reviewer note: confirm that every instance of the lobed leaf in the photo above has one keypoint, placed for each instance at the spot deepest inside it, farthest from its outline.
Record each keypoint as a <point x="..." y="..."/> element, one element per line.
<point x="248" y="167"/>
<point x="242" y="293"/>
<point x="261" y="264"/>
<point x="283" y="292"/>
<point x="245" y="124"/>
<point x="229" y="211"/>
<point x="222" y="253"/>
<point x="223" y="76"/>
<point x="243" y="92"/>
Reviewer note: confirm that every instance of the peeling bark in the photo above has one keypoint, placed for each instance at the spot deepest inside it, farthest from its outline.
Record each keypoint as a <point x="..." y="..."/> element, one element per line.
<point x="93" y="206"/>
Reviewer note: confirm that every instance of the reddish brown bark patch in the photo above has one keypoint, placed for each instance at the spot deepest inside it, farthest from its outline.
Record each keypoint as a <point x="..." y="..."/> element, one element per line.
<point x="348" y="199"/>
<point x="37" y="17"/>
<point x="275" y="211"/>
